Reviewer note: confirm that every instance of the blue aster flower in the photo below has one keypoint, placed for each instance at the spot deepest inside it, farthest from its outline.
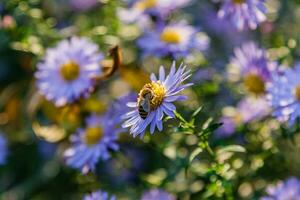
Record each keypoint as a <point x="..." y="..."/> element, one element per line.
<point x="157" y="194"/>
<point x="3" y="150"/>
<point x="176" y="40"/>
<point x="248" y="110"/>
<point x="141" y="9"/>
<point x="99" y="195"/>
<point x="243" y="14"/>
<point x="250" y="63"/>
<point x="284" y="95"/>
<point x="94" y="142"/>
<point x="67" y="72"/>
<point x="156" y="99"/>
<point x="287" y="190"/>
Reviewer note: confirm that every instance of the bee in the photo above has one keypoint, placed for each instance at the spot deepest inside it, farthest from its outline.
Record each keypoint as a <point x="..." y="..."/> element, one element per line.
<point x="144" y="103"/>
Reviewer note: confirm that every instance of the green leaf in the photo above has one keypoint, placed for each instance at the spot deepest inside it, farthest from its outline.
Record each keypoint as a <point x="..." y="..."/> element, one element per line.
<point x="232" y="148"/>
<point x="207" y="123"/>
<point x="211" y="128"/>
<point x="197" y="111"/>
<point x="178" y="116"/>
<point x="195" y="153"/>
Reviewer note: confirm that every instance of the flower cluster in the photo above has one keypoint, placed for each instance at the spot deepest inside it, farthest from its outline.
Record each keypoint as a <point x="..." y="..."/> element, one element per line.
<point x="222" y="123"/>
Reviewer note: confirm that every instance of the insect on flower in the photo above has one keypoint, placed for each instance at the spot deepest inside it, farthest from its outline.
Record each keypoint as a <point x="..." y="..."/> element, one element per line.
<point x="144" y="102"/>
<point x="156" y="99"/>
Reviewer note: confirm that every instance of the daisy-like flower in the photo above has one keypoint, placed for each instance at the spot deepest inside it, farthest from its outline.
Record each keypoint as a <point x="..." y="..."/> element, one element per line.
<point x="243" y="14"/>
<point x="248" y="110"/>
<point x="139" y="9"/>
<point x="94" y="142"/>
<point x="250" y="63"/>
<point x="67" y="72"/>
<point x="3" y="150"/>
<point x="99" y="195"/>
<point x="157" y="194"/>
<point x="284" y="95"/>
<point x="176" y="40"/>
<point x="287" y="190"/>
<point x="156" y="99"/>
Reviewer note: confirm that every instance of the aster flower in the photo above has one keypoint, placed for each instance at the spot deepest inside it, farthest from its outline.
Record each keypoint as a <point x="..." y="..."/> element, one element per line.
<point x="248" y="110"/>
<point x="176" y="40"/>
<point x="243" y="14"/>
<point x="3" y="150"/>
<point x="83" y="5"/>
<point x="140" y="9"/>
<point x="117" y="108"/>
<point x="66" y="73"/>
<point x="93" y="143"/>
<point x="99" y="195"/>
<point x="284" y="95"/>
<point x="287" y="190"/>
<point x="156" y="99"/>
<point x="252" y="65"/>
<point x="157" y="194"/>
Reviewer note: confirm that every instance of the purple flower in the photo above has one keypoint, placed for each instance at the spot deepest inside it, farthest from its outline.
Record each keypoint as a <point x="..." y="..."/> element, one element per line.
<point x="141" y="9"/>
<point x="176" y="40"/>
<point x="157" y="194"/>
<point x="284" y="95"/>
<point x="287" y="190"/>
<point x="155" y="99"/>
<point x="117" y="108"/>
<point x="248" y="109"/>
<point x="243" y="14"/>
<point x="229" y="125"/>
<point x="252" y="108"/>
<point x="3" y="150"/>
<point x="66" y="73"/>
<point x="83" y="5"/>
<point x="99" y="195"/>
<point x="251" y="64"/>
<point x="93" y="143"/>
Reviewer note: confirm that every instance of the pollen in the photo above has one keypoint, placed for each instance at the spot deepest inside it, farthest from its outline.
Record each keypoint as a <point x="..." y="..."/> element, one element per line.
<point x="254" y="83"/>
<point x="157" y="91"/>
<point x="146" y="4"/>
<point x="170" y="35"/>
<point x="70" y="70"/>
<point x="297" y="92"/>
<point x="238" y="1"/>
<point x="93" y="135"/>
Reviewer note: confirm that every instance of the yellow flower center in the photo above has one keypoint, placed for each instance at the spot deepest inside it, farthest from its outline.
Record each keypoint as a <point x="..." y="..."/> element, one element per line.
<point x="170" y="35"/>
<point x="146" y="4"/>
<point x="157" y="93"/>
<point x="70" y="70"/>
<point x="238" y="118"/>
<point x="93" y="135"/>
<point x="238" y="1"/>
<point x="297" y="92"/>
<point x="254" y="83"/>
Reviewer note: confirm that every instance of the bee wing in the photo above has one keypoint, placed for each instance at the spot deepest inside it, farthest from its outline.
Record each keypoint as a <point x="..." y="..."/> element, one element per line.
<point x="146" y="104"/>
